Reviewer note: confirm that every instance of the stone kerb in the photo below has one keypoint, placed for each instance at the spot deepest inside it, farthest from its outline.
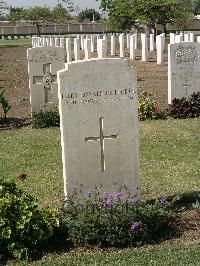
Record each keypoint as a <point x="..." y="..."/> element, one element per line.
<point x="99" y="125"/>
<point x="43" y="64"/>
<point x="183" y="70"/>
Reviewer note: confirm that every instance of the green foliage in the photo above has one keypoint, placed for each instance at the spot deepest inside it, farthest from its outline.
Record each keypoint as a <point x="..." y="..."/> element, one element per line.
<point x="4" y="103"/>
<point x="89" y="14"/>
<point x="154" y="12"/>
<point x="116" y="219"/>
<point x="60" y="14"/>
<point x="150" y="12"/>
<point x="186" y="108"/>
<point x="196" y="205"/>
<point x="44" y="119"/>
<point x="15" y="13"/>
<point x="148" y="108"/>
<point x="22" y="224"/>
<point x="123" y="13"/>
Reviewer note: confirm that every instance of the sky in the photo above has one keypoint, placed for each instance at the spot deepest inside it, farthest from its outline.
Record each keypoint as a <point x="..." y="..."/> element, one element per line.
<point x="26" y="3"/>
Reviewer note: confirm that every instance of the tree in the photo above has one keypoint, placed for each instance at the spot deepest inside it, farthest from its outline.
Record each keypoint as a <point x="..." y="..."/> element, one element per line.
<point x="89" y="14"/>
<point x="40" y="15"/>
<point x="194" y="5"/>
<point x="3" y="8"/>
<point x="150" y="12"/>
<point x="120" y="12"/>
<point x="60" y="14"/>
<point x="162" y="12"/>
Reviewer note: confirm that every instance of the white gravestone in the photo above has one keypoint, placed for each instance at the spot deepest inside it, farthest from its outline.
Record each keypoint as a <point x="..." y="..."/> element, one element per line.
<point x="135" y="41"/>
<point x="105" y="38"/>
<point x="121" y="45"/>
<point x="87" y="48"/>
<point x="191" y="37"/>
<point x="183" y="70"/>
<point x="172" y="38"/>
<point x="159" y="48"/>
<point x="144" y="40"/>
<point x="178" y="39"/>
<point x="151" y="46"/>
<point x="128" y="41"/>
<point x="112" y="50"/>
<point x="77" y="49"/>
<point x="92" y="44"/>
<point x="99" y="126"/>
<point x="101" y="50"/>
<point x="69" y="50"/>
<point x="43" y="64"/>
<point x="132" y="46"/>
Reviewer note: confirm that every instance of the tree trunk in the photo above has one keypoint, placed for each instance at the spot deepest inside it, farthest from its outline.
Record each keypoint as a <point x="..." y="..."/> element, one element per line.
<point x="38" y="29"/>
<point x="165" y="29"/>
<point x="155" y="31"/>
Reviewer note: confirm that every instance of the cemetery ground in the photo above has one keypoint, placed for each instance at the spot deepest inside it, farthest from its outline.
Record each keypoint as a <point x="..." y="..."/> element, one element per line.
<point x="169" y="165"/>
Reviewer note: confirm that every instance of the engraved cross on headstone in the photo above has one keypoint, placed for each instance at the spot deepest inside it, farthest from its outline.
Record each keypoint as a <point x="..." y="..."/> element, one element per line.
<point x="47" y="81"/>
<point x="186" y="86"/>
<point x="101" y="138"/>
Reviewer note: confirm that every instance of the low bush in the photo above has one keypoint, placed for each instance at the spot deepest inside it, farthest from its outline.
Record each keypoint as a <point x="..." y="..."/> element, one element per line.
<point x="4" y="103"/>
<point x="117" y="220"/>
<point x="185" y="108"/>
<point x="22" y="225"/>
<point x="148" y="108"/>
<point x="44" y="119"/>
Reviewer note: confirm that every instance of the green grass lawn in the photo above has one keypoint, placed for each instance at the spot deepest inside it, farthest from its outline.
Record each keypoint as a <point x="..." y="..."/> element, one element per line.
<point x="156" y="256"/>
<point x="19" y="42"/>
<point x="170" y="164"/>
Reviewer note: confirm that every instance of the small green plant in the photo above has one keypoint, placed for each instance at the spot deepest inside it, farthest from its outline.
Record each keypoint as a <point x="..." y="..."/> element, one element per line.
<point x="22" y="225"/>
<point x="116" y="219"/>
<point x="185" y="108"/>
<point x="196" y="205"/>
<point x="4" y="103"/>
<point x="44" y="119"/>
<point x="148" y="108"/>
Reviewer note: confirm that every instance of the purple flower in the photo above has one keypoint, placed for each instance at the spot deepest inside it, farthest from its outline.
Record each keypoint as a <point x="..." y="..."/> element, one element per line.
<point x="89" y="194"/>
<point x="118" y="196"/>
<point x="137" y="199"/>
<point x="163" y="200"/>
<point x="110" y="200"/>
<point x="134" y="226"/>
<point x="107" y="202"/>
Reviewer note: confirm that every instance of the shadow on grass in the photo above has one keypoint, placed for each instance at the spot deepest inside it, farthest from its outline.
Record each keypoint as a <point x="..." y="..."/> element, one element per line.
<point x="14" y="122"/>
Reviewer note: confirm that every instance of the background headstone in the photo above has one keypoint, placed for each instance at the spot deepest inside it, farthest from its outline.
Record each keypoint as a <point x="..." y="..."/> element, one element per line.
<point x="183" y="70"/>
<point x="43" y="64"/>
<point x="99" y="126"/>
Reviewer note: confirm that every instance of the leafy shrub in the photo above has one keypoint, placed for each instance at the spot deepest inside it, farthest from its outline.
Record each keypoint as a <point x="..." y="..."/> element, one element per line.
<point x="185" y="108"/>
<point x="148" y="108"/>
<point x="44" y="119"/>
<point x="22" y="224"/>
<point x="4" y="103"/>
<point x="116" y="220"/>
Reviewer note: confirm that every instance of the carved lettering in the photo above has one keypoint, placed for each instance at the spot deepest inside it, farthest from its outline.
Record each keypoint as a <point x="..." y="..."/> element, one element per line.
<point x="90" y="97"/>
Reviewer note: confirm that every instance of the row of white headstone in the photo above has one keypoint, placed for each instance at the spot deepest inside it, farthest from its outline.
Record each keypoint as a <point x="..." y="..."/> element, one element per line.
<point x="44" y="62"/>
<point x="88" y="45"/>
<point x="183" y="37"/>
